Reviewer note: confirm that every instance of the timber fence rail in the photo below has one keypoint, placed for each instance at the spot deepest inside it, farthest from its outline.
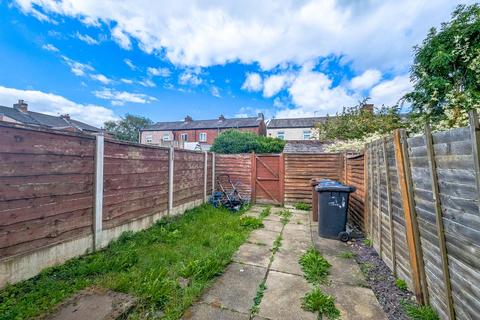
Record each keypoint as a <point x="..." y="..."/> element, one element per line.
<point x="64" y="194"/>
<point x="423" y="214"/>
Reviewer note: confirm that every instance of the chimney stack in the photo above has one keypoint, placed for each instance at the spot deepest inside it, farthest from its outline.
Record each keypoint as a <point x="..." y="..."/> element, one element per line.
<point x="188" y="119"/>
<point x="21" y="106"/>
<point x="260" y="116"/>
<point x="65" y="116"/>
<point x="221" y="118"/>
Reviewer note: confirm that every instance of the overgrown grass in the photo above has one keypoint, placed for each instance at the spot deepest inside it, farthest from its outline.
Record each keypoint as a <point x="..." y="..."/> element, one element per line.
<point x="258" y="298"/>
<point x="285" y="216"/>
<point x="265" y="212"/>
<point x="401" y="284"/>
<point x="324" y="304"/>
<point x="417" y="312"/>
<point x="366" y="268"/>
<point x="277" y="244"/>
<point x="251" y="222"/>
<point x="367" y="242"/>
<point x="302" y="206"/>
<point x="315" y="267"/>
<point x="347" y="255"/>
<point x="149" y="264"/>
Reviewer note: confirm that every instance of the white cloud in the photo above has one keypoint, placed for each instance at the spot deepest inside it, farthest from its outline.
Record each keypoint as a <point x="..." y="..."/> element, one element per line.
<point x="77" y="68"/>
<point x="158" y="72"/>
<point x="274" y="84"/>
<point x="100" y="77"/>
<point x="55" y="105"/>
<point x="86" y="38"/>
<point x="147" y="83"/>
<point x="389" y="92"/>
<point x="130" y="64"/>
<point x="215" y="92"/>
<point x="253" y="82"/>
<point x="190" y="78"/>
<point x="119" y="98"/>
<point x="371" y="34"/>
<point x="127" y="81"/>
<point x="50" y="47"/>
<point x="366" y="80"/>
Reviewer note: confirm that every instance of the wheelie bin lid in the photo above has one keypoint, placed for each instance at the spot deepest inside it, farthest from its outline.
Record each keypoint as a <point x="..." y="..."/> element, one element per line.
<point x="333" y="185"/>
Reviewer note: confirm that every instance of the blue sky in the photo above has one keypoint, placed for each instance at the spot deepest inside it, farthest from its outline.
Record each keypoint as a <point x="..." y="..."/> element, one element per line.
<point x="98" y="60"/>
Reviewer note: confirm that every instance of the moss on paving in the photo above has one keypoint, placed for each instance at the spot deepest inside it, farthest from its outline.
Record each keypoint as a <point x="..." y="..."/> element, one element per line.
<point x="149" y="264"/>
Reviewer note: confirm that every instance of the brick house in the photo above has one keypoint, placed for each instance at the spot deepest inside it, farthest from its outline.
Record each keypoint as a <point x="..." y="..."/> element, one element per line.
<point x="21" y="115"/>
<point x="202" y="132"/>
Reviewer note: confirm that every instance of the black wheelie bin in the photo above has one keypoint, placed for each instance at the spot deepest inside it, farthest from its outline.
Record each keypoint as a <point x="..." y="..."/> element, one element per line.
<point x="332" y="209"/>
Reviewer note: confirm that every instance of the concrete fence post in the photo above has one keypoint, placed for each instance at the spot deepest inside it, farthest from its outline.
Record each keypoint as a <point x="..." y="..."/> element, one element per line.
<point x="170" y="179"/>
<point x="98" y="191"/>
<point x="205" y="178"/>
<point x="213" y="172"/>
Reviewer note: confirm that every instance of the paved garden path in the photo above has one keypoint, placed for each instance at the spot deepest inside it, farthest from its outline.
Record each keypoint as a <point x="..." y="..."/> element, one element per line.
<point x="231" y="297"/>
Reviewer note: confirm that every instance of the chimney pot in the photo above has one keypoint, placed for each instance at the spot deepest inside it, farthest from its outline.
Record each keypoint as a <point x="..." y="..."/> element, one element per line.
<point x="221" y="117"/>
<point x="188" y="119"/>
<point x="65" y="116"/>
<point x="261" y="116"/>
<point x="21" y="106"/>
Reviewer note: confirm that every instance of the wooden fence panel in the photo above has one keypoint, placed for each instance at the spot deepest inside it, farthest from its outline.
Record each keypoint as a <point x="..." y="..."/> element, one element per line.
<point x="46" y="185"/>
<point x="300" y="168"/>
<point x="239" y="167"/>
<point x="135" y="182"/>
<point x="354" y="167"/>
<point x="188" y="177"/>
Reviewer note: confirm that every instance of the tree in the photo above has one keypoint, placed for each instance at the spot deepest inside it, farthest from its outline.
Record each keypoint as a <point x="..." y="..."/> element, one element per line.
<point x="446" y="72"/>
<point x="234" y="141"/>
<point x="359" y="121"/>
<point x="127" y="128"/>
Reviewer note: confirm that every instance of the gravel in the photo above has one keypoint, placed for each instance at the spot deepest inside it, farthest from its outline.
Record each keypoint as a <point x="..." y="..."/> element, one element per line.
<point x="381" y="280"/>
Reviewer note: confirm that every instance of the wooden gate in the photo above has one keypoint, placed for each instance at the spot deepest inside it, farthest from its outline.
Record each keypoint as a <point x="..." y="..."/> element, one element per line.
<point x="268" y="178"/>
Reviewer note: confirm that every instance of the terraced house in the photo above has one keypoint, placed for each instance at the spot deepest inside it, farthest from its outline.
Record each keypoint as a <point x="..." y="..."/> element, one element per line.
<point x="189" y="132"/>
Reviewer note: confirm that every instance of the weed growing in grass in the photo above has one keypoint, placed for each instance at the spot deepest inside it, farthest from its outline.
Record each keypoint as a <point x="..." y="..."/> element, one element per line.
<point x="317" y="301"/>
<point x="251" y="222"/>
<point x="315" y="267"/>
<point x="367" y="242"/>
<point x="258" y="298"/>
<point x="302" y="206"/>
<point x="196" y="246"/>
<point x="417" y="312"/>
<point x="347" y="255"/>
<point x="401" y="284"/>
<point x="265" y="212"/>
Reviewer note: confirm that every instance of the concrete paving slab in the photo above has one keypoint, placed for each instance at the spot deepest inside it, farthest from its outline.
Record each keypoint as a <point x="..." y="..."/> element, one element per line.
<point x="286" y="260"/>
<point x="93" y="304"/>
<point x="253" y="254"/>
<point x="273" y="217"/>
<point x="345" y="271"/>
<point x="282" y="298"/>
<point x="328" y="246"/>
<point x="265" y="237"/>
<point x="202" y="311"/>
<point x="252" y="213"/>
<point x="235" y="288"/>
<point x="272" y="225"/>
<point x="355" y="303"/>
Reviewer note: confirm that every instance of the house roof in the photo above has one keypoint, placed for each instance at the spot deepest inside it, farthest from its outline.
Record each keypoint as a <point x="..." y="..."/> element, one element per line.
<point x="294" y="122"/>
<point x="206" y="124"/>
<point x="45" y="120"/>
<point x="304" y="146"/>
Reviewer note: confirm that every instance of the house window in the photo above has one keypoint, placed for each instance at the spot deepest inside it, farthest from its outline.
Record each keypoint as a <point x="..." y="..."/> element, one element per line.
<point x="148" y="139"/>
<point x="202" y="137"/>
<point x="166" y="137"/>
<point x="281" y="135"/>
<point x="307" y="135"/>
<point x="184" y="136"/>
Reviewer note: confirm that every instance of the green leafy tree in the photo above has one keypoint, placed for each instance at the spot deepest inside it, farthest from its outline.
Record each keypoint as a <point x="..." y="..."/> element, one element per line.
<point x="358" y="122"/>
<point x="127" y="128"/>
<point x="446" y="72"/>
<point x="235" y="141"/>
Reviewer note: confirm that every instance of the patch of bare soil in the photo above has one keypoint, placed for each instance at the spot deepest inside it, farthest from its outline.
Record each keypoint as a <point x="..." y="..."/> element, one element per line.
<point x="381" y="280"/>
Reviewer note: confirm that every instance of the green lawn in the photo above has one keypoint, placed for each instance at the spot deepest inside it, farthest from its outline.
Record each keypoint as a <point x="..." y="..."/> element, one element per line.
<point x="149" y="264"/>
